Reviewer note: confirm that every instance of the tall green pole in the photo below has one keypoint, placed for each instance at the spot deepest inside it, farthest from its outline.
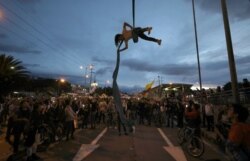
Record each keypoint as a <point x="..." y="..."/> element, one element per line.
<point x="234" y="82"/>
<point x="197" y="46"/>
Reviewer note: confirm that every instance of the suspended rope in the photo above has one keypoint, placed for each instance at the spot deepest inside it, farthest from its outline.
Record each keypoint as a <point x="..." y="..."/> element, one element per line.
<point x="133" y="11"/>
<point x="134" y="35"/>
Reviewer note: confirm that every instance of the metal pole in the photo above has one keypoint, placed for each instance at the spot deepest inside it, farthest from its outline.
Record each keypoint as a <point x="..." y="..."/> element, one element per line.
<point x="91" y="71"/>
<point x="197" y="46"/>
<point x="230" y="52"/>
<point x="86" y="76"/>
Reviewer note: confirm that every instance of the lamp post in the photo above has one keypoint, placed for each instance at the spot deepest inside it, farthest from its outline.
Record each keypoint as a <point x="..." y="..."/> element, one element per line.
<point x="86" y="76"/>
<point x="60" y="81"/>
<point x="91" y="67"/>
<point x="230" y="52"/>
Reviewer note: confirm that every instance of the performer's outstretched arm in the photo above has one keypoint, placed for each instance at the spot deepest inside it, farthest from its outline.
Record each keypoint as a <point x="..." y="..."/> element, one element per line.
<point x="128" y="25"/>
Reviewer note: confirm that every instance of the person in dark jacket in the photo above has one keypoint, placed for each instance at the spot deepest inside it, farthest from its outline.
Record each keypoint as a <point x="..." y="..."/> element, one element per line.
<point x="31" y="141"/>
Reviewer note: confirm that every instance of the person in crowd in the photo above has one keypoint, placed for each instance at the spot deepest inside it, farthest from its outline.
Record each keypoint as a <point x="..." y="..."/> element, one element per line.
<point x="110" y="113"/>
<point x="238" y="141"/>
<point x="209" y="113"/>
<point x="180" y="113"/>
<point x="1" y="115"/>
<point x="102" y="110"/>
<point x="223" y="125"/>
<point x="32" y="140"/>
<point x="141" y="111"/>
<point x="93" y="112"/>
<point x="13" y="108"/>
<point x="70" y="116"/>
<point x="170" y="114"/>
<point x="20" y="124"/>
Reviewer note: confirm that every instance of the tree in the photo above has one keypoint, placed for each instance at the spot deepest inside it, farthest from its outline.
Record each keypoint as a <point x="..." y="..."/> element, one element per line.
<point x="246" y="83"/>
<point x="227" y="87"/>
<point x="218" y="89"/>
<point x="11" y="71"/>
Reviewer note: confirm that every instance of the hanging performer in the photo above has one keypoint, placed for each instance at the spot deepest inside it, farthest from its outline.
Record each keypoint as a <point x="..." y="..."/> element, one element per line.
<point x="129" y="32"/>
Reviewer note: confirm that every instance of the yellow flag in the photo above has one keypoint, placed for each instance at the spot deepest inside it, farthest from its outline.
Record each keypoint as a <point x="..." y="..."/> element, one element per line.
<point x="149" y="85"/>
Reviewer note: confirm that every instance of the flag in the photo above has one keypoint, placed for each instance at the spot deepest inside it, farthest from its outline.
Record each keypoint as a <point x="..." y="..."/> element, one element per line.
<point x="149" y="85"/>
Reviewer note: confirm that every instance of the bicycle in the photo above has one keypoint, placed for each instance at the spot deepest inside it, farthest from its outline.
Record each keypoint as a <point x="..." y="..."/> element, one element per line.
<point x="194" y="145"/>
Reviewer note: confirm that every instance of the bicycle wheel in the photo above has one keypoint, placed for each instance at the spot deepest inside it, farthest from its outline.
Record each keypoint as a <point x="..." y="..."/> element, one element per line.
<point x="195" y="146"/>
<point x="181" y="136"/>
<point x="59" y="133"/>
<point x="45" y="135"/>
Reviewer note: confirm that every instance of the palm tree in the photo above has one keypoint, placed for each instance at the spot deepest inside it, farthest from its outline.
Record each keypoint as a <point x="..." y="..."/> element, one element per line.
<point x="11" y="70"/>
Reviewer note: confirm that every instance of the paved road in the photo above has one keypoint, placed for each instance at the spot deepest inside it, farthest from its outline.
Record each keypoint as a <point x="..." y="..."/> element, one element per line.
<point x="145" y="145"/>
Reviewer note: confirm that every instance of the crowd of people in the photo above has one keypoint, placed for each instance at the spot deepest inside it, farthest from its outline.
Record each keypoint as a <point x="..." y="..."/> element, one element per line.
<point x="26" y="116"/>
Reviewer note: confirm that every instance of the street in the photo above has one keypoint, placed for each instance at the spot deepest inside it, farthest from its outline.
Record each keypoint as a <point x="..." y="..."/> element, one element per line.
<point x="102" y="144"/>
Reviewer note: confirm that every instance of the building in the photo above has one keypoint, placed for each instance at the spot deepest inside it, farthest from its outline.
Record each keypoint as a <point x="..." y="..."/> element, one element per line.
<point x="167" y="90"/>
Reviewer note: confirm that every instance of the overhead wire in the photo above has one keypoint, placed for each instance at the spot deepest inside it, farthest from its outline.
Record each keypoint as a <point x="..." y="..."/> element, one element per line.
<point x="43" y="42"/>
<point x="39" y="24"/>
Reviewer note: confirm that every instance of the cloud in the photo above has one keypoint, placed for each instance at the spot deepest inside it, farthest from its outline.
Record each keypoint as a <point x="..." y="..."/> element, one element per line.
<point x="167" y="69"/>
<point x="243" y="60"/>
<point x="17" y="49"/>
<point x="237" y="9"/>
<point x="32" y="65"/>
<point x="223" y="64"/>
<point x="3" y="36"/>
<point x="104" y="70"/>
<point x="102" y="60"/>
<point x="28" y="1"/>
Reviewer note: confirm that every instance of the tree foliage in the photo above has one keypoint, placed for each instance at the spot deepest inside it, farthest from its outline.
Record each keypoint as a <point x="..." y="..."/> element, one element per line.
<point x="12" y="73"/>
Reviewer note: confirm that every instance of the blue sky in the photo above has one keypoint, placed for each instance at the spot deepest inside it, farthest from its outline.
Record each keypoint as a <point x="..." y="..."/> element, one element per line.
<point x="54" y="38"/>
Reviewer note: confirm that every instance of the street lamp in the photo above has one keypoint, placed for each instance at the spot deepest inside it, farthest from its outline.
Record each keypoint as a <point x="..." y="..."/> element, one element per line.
<point x="91" y="67"/>
<point x="62" y="80"/>
<point x="107" y="83"/>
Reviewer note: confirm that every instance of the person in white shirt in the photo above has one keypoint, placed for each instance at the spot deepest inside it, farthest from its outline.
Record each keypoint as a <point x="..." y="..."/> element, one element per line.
<point x="209" y="112"/>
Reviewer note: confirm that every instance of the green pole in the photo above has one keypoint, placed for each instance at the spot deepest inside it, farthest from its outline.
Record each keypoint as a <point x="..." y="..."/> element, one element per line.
<point x="233" y="74"/>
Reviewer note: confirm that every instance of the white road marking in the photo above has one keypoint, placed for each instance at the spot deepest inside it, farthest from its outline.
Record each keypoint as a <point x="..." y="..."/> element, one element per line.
<point x="175" y="151"/>
<point x="165" y="138"/>
<point x="87" y="149"/>
<point x="98" y="137"/>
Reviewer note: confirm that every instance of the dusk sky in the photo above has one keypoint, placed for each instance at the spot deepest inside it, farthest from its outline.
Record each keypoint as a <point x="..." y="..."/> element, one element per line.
<point x="53" y="38"/>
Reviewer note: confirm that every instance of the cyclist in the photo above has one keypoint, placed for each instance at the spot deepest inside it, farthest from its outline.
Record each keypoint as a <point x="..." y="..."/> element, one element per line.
<point x="194" y="118"/>
<point x="194" y="121"/>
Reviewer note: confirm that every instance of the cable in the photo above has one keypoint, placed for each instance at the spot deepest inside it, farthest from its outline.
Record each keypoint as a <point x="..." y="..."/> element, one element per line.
<point x="23" y="20"/>
<point x="16" y="34"/>
<point x="20" y="7"/>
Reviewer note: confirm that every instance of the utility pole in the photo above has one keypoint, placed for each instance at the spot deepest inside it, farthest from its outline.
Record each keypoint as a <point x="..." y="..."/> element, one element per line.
<point x="85" y="76"/>
<point x="233" y="74"/>
<point x="197" y="46"/>
<point x="91" y="67"/>
<point x="159" y="89"/>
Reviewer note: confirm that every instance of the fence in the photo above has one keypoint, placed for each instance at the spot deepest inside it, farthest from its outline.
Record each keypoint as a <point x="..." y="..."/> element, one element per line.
<point x="226" y="97"/>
